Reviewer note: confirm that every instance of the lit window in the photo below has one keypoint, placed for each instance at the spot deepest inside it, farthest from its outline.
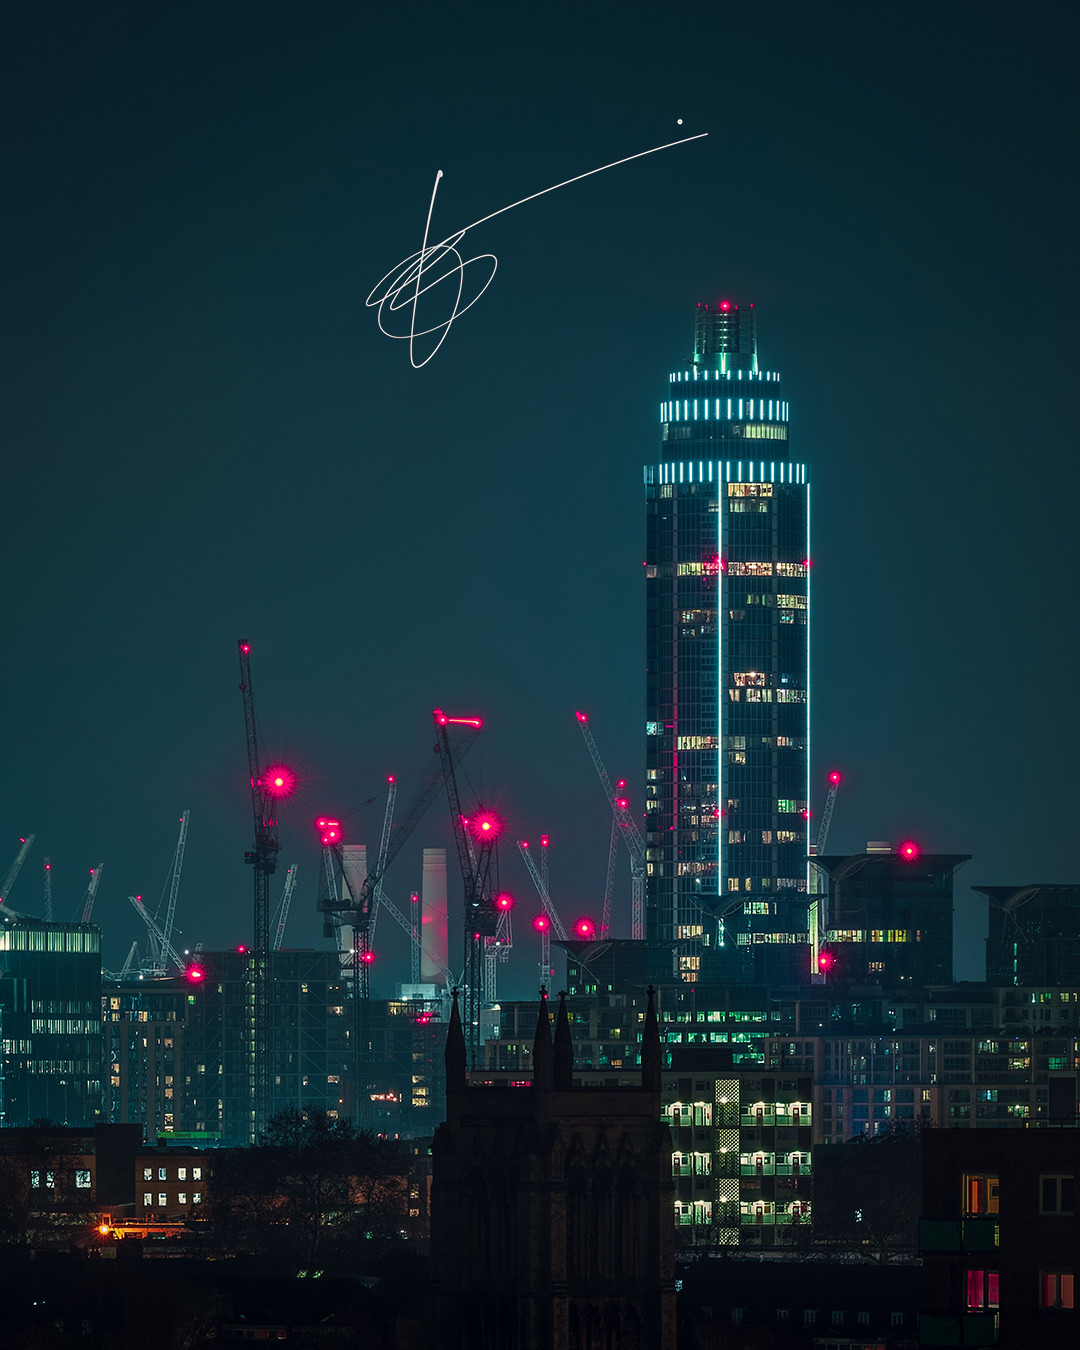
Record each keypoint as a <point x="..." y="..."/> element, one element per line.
<point x="162" y="1200"/>
<point x="35" y="1180"/>
<point x="181" y="1197"/>
<point x="1055" y="1289"/>
<point x="980" y="1193"/>
<point x="161" y="1174"/>
<point x="148" y="1174"/>
<point x="181" y="1174"/>
<point x="196" y="1198"/>
<point x="148" y="1199"/>
<point x="1056" y="1193"/>
<point x="981" y="1290"/>
<point x="196" y="1174"/>
<point x="82" y="1179"/>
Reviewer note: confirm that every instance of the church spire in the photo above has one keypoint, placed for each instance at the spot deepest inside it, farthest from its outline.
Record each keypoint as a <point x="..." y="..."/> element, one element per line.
<point x="455" y="1051"/>
<point x="650" y="1048"/>
<point x="563" y="1049"/>
<point x="542" y="1054"/>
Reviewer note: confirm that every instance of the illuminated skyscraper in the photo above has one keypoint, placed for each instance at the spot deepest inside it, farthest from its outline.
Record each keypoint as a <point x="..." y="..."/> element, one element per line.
<point x="727" y="642"/>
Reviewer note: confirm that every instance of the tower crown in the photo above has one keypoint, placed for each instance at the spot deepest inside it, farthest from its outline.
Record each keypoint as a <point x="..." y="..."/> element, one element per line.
<point x="725" y="336"/>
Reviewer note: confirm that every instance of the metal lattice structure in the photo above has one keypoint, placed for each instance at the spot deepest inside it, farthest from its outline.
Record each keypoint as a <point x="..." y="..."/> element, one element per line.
<point x="631" y="835"/>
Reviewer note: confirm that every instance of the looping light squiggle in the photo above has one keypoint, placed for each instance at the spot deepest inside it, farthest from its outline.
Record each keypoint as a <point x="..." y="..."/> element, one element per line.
<point x="401" y="287"/>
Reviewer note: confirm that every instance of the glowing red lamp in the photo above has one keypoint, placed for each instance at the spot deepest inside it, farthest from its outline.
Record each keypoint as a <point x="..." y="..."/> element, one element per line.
<point x="485" y="825"/>
<point x="909" y="850"/>
<point x="194" y="974"/>
<point x="826" y="961"/>
<point x="834" y="777"/>
<point x="581" y="717"/>
<point x="504" y="900"/>
<point x="330" y="831"/>
<point x="584" y="928"/>
<point x="241" y="949"/>
<point x="367" y="958"/>
<point x="278" y="781"/>
<point x="725" y="304"/>
<point x="541" y="923"/>
<point x="543" y="841"/>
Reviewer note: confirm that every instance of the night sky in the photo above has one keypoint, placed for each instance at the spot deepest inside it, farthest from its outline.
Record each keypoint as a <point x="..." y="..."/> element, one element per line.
<point x="207" y="437"/>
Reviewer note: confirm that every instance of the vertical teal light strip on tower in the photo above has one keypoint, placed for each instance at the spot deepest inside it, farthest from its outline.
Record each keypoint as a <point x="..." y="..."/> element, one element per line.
<point x="809" y="702"/>
<point x="721" y="691"/>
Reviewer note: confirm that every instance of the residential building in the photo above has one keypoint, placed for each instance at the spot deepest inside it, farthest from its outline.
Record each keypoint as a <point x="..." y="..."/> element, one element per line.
<point x="1034" y="934"/>
<point x="888" y="918"/>
<point x="727" y="580"/>
<point x="999" y="1238"/>
<point x="50" y="1012"/>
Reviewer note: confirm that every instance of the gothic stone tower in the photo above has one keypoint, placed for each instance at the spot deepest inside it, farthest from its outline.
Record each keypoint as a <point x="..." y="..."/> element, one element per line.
<point x="552" y="1207"/>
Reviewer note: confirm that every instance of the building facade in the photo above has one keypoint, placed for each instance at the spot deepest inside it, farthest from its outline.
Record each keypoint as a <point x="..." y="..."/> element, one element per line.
<point x="1034" y="934"/>
<point x="889" y="916"/>
<point x="727" y="641"/>
<point x="50" y="1005"/>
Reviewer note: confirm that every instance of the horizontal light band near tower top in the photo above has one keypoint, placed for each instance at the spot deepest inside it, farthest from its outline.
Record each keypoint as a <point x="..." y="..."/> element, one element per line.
<point x="726" y="471"/>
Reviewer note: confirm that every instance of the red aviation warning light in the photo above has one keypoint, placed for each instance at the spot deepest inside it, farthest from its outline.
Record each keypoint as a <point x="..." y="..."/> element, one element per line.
<point x="330" y="831"/>
<point x="585" y="928"/>
<point x="541" y="923"/>
<point x="194" y="974"/>
<point x="444" y="721"/>
<point x="581" y="717"/>
<point x="543" y="841"/>
<point x="834" y="777"/>
<point x="826" y="961"/>
<point x="504" y="900"/>
<point x="485" y="825"/>
<point x="367" y="958"/>
<point x="909" y="850"/>
<point x="278" y="781"/>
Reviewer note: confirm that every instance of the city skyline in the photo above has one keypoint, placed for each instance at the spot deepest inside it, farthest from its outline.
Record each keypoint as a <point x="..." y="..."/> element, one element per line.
<point x="209" y="436"/>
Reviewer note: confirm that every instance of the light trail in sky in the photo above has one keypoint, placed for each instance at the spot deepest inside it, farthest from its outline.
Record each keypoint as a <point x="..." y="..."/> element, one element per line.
<point x="401" y="287"/>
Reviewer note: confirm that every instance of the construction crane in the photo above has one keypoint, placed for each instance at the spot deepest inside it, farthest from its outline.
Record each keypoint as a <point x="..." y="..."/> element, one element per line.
<point x="631" y="835"/>
<point x="541" y="889"/>
<point x="167" y="902"/>
<point x="16" y="867"/>
<point x="269" y="786"/>
<point x="91" y="892"/>
<point x="819" y="918"/>
<point x="283" y="907"/>
<point x="162" y="951"/>
<point x="384" y="848"/>
<point x="476" y="838"/>
<point x="48" y="890"/>
<point x="609" y="883"/>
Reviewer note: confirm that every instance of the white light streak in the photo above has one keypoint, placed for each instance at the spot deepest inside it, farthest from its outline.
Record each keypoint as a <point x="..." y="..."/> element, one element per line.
<point x="402" y="287"/>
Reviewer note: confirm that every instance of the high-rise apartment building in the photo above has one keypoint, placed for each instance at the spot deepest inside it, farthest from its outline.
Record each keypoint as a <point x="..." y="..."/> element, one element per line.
<point x="727" y="627"/>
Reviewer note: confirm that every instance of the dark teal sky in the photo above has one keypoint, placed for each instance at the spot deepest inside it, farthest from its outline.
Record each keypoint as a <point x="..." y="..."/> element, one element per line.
<point x="207" y="437"/>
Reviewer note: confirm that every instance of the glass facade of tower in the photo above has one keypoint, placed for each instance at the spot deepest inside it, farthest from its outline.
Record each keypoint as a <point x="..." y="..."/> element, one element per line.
<point x="727" y="702"/>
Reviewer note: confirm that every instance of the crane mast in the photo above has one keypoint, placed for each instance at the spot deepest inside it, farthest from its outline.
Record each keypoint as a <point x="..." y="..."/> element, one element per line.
<point x="631" y="835"/>
<point x="173" y="892"/>
<point x="162" y="950"/>
<point x="819" y="918"/>
<point x="268" y="786"/>
<point x="48" y="890"/>
<point x="541" y="889"/>
<point x="283" y="908"/>
<point x="475" y="848"/>
<point x="91" y="892"/>
<point x="16" y="867"/>
<point x="609" y="882"/>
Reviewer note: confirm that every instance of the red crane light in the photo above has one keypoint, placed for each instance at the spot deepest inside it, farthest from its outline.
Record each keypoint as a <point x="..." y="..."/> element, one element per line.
<point x="241" y="949"/>
<point x="541" y="923"/>
<point x="725" y="304"/>
<point x="826" y="961"/>
<point x="194" y="974"/>
<point x="486" y="825"/>
<point x="909" y="850"/>
<point x="504" y="900"/>
<point x="330" y="831"/>
<point x="278" y="781"/>
<point x="581" y="717"/>
<point x="585" y="928"/>
<point x="834" y="777"/>
<point x="543" y="841"/>
<point x="367" y="958"/>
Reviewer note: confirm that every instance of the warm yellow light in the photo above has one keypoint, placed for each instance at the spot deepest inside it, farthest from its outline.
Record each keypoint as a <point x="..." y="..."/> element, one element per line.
<point x="103" y="1228"/>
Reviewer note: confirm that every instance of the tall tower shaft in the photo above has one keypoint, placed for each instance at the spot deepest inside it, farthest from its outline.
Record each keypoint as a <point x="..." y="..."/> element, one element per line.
<point x="727" y="653"/>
